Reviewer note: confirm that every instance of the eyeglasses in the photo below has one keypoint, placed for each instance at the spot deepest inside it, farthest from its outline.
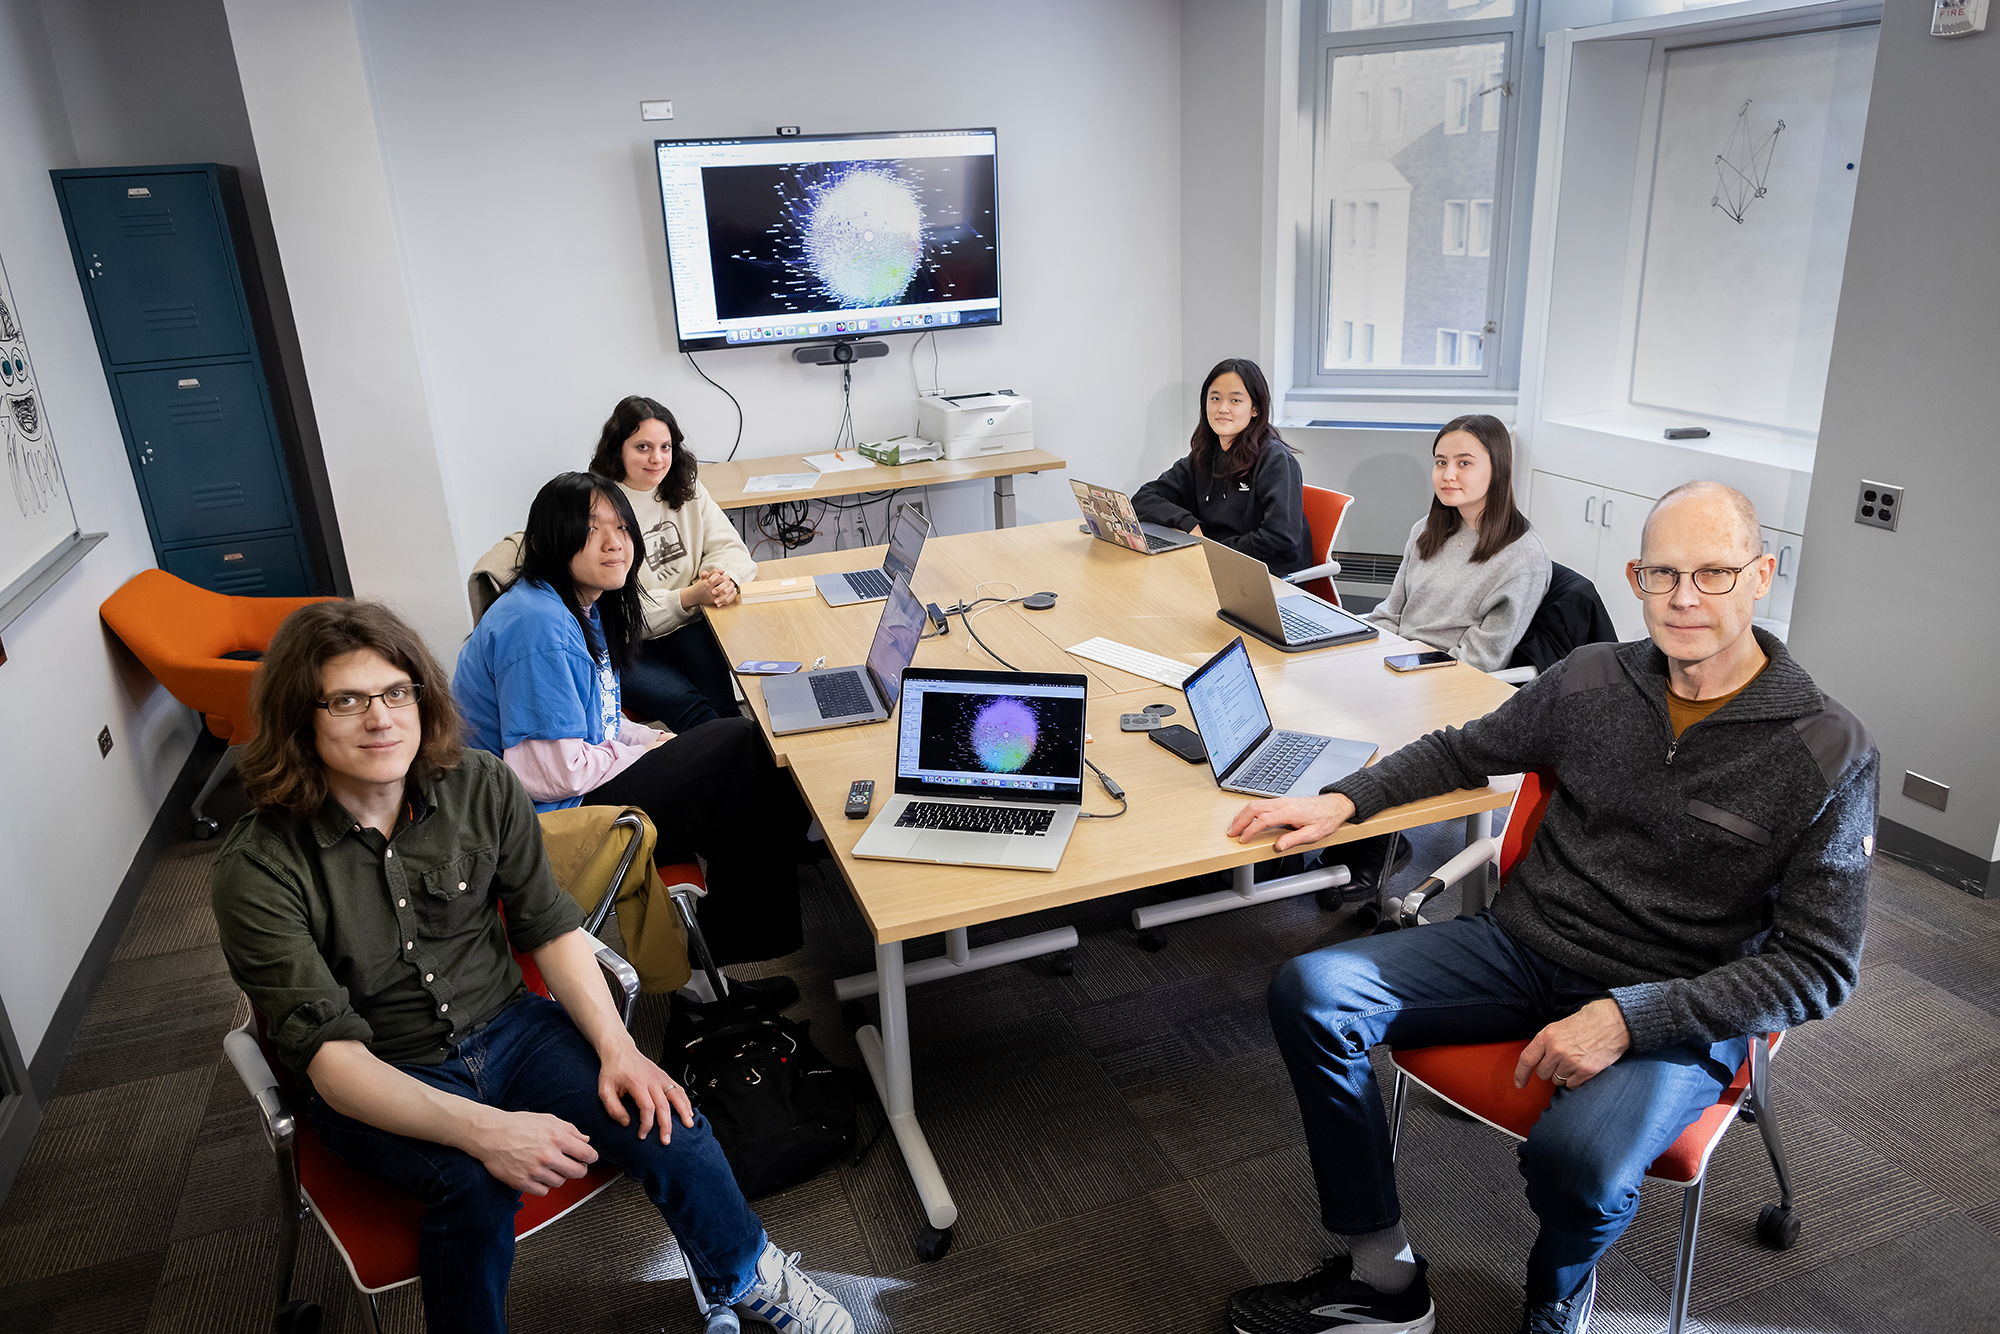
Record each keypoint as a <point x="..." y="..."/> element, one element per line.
<point x="1661" y="579"/>
<point x="348" y="704"/>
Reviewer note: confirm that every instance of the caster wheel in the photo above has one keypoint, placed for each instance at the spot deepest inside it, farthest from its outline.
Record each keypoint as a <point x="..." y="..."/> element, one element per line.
<point x="206" y="828"/>
<point x="1367" y="915"/>
<point x="932" y="1243"/>
<point x="1151" y="941"/>
<point x="1386" y="925"/>
<point x="1778" y="1227"/>
<point x="296" y="1317"/>
<point x="1328" y="899"/>
<point x="855" y="1015"/>
<point x="1746" y="1113"/>
<point x="1062" y="963"/>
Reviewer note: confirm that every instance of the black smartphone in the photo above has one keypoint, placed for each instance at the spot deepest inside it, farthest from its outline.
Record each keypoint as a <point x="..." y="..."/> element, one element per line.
<point x="1416" y="662"/>
<point x="1181" y="742"/>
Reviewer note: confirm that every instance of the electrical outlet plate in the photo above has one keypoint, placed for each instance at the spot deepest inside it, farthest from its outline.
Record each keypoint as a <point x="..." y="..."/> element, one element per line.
<point x="656" y="110"/>
<point x="1926" y="790"/>
<point x="1879" y="505"/>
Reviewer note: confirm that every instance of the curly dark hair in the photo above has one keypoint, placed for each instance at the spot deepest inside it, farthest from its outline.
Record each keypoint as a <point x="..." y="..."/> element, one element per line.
<point x="280" y="766"/>
<point x="677" y="487"/>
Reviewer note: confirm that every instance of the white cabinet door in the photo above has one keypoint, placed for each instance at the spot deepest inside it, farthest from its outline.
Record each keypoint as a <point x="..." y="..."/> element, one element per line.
<point x="1565" y="514"/>
<point x="1620" y="517"/>
<point x="1777" y="606"/>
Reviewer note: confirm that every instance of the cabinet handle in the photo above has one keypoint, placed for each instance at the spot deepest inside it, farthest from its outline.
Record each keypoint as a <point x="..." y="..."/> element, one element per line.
<point x="1588" y="501"/>
<point x="1785" y="563"/>
<point x="1606" y="512"/>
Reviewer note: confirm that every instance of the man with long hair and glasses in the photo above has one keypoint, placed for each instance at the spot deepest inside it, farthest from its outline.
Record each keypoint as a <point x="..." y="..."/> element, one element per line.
<point x="359" y="911"/>
<point x="1701" y="875"/>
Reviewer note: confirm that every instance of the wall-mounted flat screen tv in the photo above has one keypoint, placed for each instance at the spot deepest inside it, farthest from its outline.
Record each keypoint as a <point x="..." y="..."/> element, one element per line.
<point x="798" y="238"/>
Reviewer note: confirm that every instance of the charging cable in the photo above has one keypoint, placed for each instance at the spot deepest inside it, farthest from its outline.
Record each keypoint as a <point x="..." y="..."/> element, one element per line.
<point x="1117" y="795"/>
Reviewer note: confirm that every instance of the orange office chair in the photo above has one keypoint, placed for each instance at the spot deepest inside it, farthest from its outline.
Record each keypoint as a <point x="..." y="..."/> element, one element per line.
<point x="203" y="647"/>
<point x="1325" y="510"/>
<point x="373" y="1225"/>
<point x="1478" y="1078"/>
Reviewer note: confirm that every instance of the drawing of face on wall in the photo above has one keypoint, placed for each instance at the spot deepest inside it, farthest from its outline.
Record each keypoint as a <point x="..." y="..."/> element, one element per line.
<point x="32" y="471"/>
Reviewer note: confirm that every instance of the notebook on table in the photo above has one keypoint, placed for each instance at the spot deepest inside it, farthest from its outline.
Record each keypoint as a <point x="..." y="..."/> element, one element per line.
<point x="989" y="770"/>
<point x="906" y="543"/>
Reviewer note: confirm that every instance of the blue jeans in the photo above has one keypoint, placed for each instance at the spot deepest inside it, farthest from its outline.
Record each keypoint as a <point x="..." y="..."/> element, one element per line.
<point x="530" y="1058"/>
<point x="680" y="679"/>
<point x="1466" y="981"/>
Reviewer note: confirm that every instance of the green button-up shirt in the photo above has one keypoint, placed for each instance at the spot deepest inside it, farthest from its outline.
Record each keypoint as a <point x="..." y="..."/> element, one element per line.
<point x="337" y="933"/>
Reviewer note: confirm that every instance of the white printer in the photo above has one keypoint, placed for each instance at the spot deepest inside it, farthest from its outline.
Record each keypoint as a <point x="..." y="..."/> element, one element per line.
<point x="972" y="426"/>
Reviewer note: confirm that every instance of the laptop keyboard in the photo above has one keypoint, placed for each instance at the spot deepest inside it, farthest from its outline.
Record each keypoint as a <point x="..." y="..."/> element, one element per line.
<point x="975" y="819"/>
<point x="1299" y="628"/>
<point x="1156" y="543"/>
<point x="1289" y="755"/>
<point x="840" y="694"/>
<point x="869" y="583"/>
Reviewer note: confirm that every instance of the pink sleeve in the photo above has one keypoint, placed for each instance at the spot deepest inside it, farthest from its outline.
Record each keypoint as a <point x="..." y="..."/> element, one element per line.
<point x="558" y="770"/>
<point x="638" y="734"/>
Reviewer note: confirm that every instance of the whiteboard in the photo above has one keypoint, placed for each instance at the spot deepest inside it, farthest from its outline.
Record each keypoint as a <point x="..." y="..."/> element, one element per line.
<point x="37" y="520"/>
<point x="1739" y="289"/>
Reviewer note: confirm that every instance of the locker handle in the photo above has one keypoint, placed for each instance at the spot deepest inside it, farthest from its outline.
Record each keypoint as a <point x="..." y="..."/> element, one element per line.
<point x="1606" y="514"/>
<point x="1588" y="501"/>
<point x="1785" y="563"/>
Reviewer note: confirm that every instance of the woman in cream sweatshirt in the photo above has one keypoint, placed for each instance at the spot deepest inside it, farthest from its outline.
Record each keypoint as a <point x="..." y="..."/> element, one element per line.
<point x="694" y="559"/>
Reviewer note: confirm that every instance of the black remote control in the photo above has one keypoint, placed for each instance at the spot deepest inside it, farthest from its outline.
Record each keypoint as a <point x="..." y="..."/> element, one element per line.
<point x="860" y="795"/>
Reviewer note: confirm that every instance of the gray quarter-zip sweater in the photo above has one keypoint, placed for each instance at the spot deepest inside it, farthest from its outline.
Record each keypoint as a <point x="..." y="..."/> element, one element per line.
<point x="1718" y="884"/>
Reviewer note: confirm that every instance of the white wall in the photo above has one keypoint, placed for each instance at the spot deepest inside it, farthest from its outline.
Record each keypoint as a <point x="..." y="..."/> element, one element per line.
<point x="70" y="822"/>
<point x="526" y="217"/>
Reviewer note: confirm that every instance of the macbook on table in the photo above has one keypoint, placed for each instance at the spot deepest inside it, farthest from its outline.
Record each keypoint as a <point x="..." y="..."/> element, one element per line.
<point x="1294" y="623"/>
<point x="989" y="770"/>
<point x="906" y="542"/>
<point x="845" y="696"/>
<point x="1245" y="752"/>
<point x="1110" y="517"/>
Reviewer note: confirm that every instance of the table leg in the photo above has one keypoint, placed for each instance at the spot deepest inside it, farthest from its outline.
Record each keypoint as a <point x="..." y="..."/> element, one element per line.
<point x="961" y="957"/>
<point x="1003" y="501"/>
<point x="887" y="1054"/>
<point x="1244" y="892"/>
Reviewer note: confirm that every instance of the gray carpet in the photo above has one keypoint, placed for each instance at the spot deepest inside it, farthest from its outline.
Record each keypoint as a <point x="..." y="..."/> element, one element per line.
<point x="1121" y="1142"/>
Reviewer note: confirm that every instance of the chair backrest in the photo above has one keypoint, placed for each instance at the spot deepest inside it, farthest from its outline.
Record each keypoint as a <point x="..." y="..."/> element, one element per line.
<point x="493" y="574"/>
<point x="1570" y="616"/>
<point x="1530" y="804"/>
<point x="1325" y="512"/>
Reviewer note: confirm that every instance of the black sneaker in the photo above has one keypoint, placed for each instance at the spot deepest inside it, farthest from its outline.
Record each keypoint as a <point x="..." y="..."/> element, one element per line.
<point x="763" y="993"/>
<point x="1364" y="863"/>
<point x="1571" y="1316"/>
<point x="1330" y="1300"/>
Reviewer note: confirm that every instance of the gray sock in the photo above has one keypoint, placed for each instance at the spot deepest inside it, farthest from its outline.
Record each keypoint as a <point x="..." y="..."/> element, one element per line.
<point x="1383" y="1260"/>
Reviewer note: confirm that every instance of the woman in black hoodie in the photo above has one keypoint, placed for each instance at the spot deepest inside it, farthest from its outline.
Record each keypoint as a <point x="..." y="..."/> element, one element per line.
<point x="1238" y="484"/>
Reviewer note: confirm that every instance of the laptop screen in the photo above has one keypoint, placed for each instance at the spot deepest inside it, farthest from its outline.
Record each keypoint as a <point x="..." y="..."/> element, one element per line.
<point x="906" y="543"/>
<point x="896" y="636"/>
<point x="1109" y="514"/>
<point x="991" y="734"/>
<point x="1227" y="706"/>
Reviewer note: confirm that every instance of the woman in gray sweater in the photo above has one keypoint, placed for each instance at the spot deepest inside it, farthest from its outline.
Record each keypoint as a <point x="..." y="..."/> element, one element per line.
<point x="1473" y="572"/>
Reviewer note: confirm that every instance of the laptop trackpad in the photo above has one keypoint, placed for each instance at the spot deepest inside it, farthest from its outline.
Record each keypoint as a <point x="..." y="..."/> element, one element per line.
<point x="946" y="845"/>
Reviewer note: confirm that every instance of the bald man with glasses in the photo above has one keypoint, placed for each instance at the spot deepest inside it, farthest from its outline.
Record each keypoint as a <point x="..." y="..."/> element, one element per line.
<point x="1701" y="875"/>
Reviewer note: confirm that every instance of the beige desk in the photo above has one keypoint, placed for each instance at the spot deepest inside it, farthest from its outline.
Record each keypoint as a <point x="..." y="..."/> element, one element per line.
<point x="725" y="481"/>
<point x="1175" y="821"/>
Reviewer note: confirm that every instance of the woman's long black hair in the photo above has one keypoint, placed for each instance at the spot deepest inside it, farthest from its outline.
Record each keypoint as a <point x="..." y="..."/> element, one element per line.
<point x="558" y="526"/>
<point x="1243" y="452"/>
<point x="1501" y="522"/>
<point x="677" y="487"/>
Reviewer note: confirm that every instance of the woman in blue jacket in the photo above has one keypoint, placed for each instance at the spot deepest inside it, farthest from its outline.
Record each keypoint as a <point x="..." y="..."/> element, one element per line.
<point x="538" y="685"/>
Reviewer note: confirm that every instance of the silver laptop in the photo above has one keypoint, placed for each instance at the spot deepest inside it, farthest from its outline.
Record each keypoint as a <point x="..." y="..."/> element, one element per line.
<point x="906" y="542"/>
<point x="1246" y="753"/>
<point x="846" y="696"/>
<point x="1294" y="623"/>
<point x="989" y="770"/>
<point x="1108" y="516"/>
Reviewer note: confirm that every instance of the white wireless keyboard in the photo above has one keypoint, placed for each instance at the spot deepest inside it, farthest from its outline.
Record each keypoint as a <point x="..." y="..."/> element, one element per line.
<point x="1167" y="671"/>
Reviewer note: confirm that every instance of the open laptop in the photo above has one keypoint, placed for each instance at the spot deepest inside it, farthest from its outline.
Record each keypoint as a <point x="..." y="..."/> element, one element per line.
<point x="1110" y="518"/>
<point x="846" y="696"/>
<point x="906" y="542"/>
<point x="989" y="770"/>
<point x="1294" y="623"/>
<point x="1245" y="752"/>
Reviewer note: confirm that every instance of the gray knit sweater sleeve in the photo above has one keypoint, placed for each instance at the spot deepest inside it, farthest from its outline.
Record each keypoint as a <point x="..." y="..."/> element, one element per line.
<point x="1475" y="611"/>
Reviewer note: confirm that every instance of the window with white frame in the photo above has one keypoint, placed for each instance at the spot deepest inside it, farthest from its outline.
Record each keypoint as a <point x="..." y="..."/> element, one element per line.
<point x="1409" y="244"/>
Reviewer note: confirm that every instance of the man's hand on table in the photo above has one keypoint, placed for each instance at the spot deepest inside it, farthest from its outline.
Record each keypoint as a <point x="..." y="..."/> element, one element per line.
<point x="1309" y="819"/>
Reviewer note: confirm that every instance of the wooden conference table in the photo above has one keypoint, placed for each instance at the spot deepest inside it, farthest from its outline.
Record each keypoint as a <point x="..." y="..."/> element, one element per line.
<point x="725" y="481"/>
<point x="1174" y="826"/>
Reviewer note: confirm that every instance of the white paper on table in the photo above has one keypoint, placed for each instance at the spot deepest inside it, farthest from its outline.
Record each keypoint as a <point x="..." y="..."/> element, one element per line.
<point x="842" y="460"/>
<point x="782" y="481"/>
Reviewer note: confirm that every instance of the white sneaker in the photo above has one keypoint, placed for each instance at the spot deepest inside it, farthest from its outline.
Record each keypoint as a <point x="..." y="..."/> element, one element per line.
<point x="785" y="1298"/>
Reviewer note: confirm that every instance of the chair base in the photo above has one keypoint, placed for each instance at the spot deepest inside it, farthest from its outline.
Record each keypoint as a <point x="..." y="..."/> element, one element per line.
<point x="204" y="826"/>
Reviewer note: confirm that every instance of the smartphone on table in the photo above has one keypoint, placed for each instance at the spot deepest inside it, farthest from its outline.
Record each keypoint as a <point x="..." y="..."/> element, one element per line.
<point x="1416" y="662"/>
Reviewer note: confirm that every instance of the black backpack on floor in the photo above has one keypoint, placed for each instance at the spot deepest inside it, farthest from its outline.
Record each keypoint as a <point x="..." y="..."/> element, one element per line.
<point x="781" y="1111"/>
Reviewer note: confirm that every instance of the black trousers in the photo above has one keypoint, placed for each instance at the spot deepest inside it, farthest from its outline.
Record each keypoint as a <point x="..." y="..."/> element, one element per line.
<point x="713" y="790"/>
<point x="681" y="679"/>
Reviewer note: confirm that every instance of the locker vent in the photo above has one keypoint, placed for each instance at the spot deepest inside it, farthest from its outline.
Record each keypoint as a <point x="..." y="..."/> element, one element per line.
<point x="240" y="582"/>
<point x="1364" y="567"/>
<point x="146" y="222"/>
<point x="220" y="496"/>
<point x="191" y="412"/>
<point x="183" y="316"/>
